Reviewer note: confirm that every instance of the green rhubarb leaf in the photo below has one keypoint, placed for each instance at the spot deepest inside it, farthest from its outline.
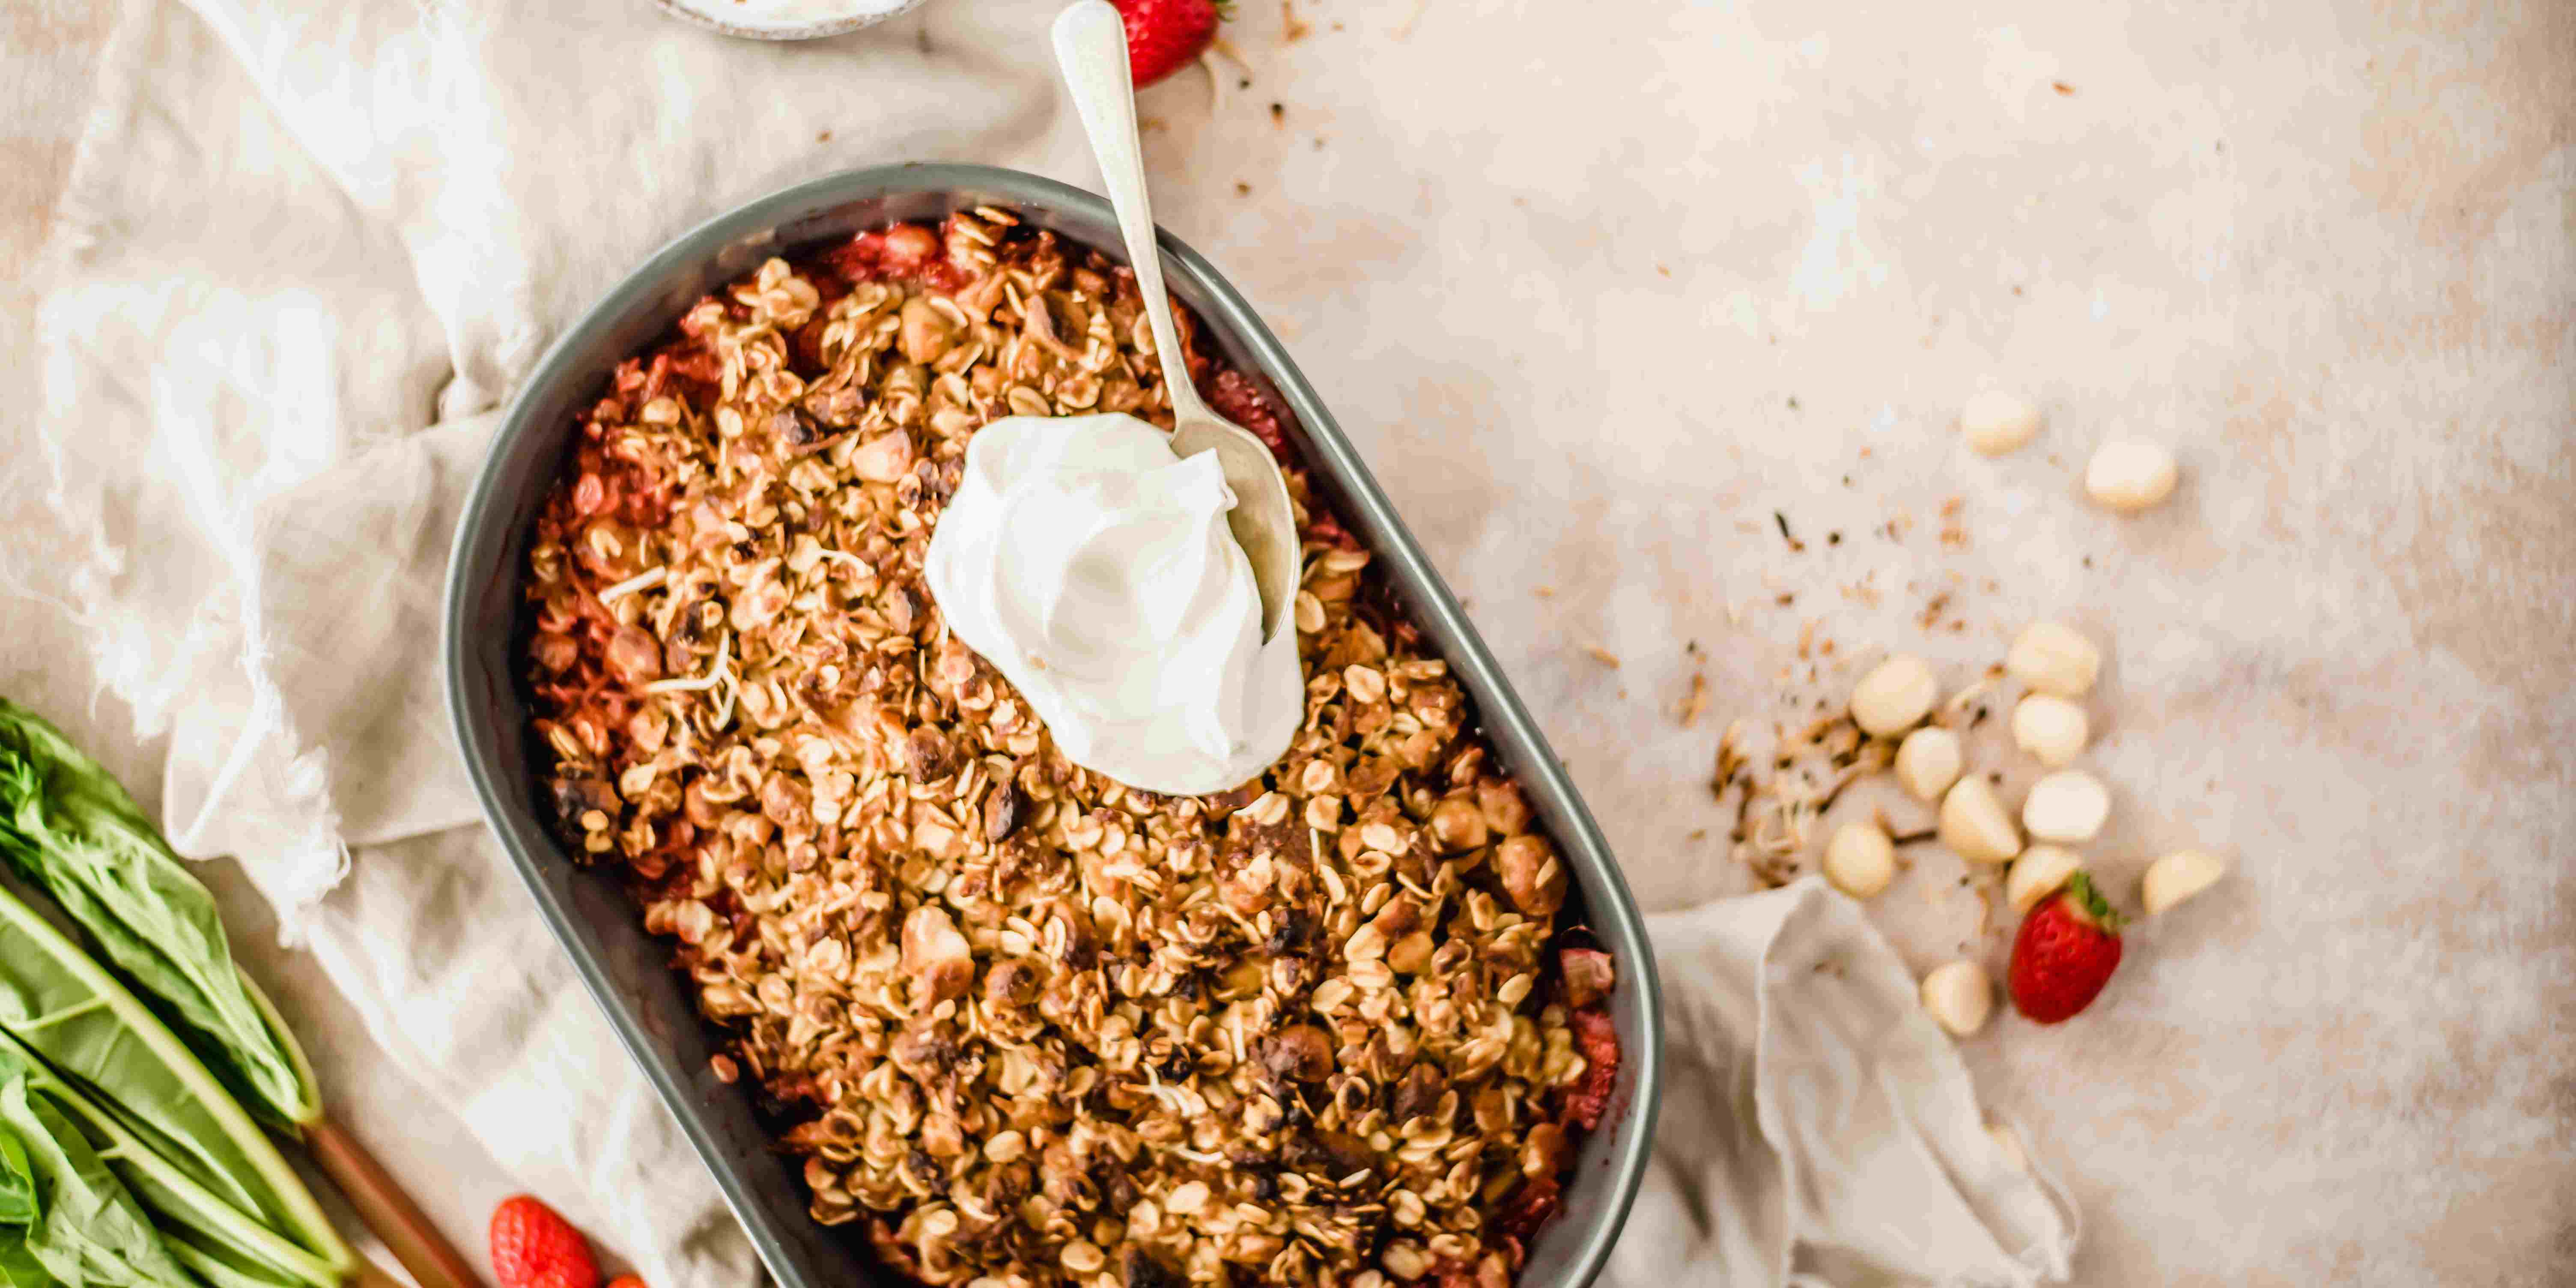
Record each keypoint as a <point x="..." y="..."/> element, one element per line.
<point x="67" y="826"/>
<point x="142" y="1090"/>
<point x="92" y="1232"/>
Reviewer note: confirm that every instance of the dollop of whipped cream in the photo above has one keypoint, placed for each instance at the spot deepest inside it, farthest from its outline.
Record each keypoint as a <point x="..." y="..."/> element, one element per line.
<point x="1094" y="568"/>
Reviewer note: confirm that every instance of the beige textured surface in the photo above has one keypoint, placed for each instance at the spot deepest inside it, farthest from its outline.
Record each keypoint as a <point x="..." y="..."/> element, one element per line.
<point x="1597" y="298"/>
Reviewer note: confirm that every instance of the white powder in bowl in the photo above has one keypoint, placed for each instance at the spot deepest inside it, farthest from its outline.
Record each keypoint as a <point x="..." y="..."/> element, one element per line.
<point x="789" y="18"/>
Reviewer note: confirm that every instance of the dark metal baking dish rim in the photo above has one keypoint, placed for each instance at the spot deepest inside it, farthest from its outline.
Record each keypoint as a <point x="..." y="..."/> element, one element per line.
<point x="477" y="717"/>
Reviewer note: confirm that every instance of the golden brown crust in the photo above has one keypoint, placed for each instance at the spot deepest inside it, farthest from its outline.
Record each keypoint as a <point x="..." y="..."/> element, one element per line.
<point x="1034" y="1027"/>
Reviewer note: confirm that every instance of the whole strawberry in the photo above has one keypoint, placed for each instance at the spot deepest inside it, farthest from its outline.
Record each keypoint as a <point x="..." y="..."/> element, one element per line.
<point x="533" y="1247"/>
<point x="2065" y="953"/>
<point x="1164" y="36"/>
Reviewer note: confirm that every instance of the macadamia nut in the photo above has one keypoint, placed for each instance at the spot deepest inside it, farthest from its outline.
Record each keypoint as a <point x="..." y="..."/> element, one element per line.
<point x="2069" y="805"/>
<point x="1894" y="696"/>
<point x="2179" y="876"/>
<point x="1974" y="823"/>
<point x="1928" y="761"/>
<point x="1860" y="860"/>
<point x="2128" y="475"/>
<point x="2041" y="871"/>
<point x="1959" y="996"/>
<point x="2051" y="729"/>
<point x="2054" y="658"/>
<point x="1996" y="422"/>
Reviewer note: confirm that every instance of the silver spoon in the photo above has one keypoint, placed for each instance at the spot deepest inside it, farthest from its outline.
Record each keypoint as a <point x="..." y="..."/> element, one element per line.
<point x="1091" y="48"/>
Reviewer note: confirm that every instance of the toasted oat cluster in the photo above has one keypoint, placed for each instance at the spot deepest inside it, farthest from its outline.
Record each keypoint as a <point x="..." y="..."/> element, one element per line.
<point x="1028" y="1026"/>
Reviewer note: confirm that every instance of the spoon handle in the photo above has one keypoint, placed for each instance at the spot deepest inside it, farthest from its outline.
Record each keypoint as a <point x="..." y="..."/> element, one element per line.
<point x="1091" y="48"/>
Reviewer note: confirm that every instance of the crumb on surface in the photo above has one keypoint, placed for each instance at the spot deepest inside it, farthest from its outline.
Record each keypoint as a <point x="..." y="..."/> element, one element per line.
<point x="1795" y="545"/>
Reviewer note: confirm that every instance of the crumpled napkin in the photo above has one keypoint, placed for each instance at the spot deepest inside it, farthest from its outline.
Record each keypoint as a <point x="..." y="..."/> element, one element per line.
<point x="1818" y="1127"/>
<point x="308" y="251"/>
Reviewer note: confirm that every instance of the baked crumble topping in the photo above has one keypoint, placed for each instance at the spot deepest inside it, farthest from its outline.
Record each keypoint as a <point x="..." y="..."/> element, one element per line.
<point x="1024" y="1025"/>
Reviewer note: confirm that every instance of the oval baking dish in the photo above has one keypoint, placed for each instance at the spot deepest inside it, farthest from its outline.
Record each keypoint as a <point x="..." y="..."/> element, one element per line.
<point x="629" y="971"/>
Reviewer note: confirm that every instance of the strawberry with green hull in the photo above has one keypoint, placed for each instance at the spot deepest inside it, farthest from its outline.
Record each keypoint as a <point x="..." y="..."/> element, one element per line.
<point x="2065" y="953"/>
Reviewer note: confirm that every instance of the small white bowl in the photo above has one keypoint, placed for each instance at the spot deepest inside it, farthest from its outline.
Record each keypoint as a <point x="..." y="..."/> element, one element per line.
<point x="784" y="19"/>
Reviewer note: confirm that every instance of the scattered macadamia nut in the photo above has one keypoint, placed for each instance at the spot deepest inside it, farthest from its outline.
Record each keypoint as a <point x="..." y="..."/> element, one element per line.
<point x="1959" y="996"/>
<point x="2040" y="872"/>
<point x="2054" y="658"/>
<point x="2008" y="1144"/>
<point x="1894" y="696"/>
<point x="2069" y="805"/>
<point x="2052" y="729"/>
<point x="1996" y="422"/>
<point x="1974" y="823"/>
<point x="2128" y="475"/>
<point x="2179" y="876"/>
<point x="1928" y="761"/>
<point x="1860" y="860"/>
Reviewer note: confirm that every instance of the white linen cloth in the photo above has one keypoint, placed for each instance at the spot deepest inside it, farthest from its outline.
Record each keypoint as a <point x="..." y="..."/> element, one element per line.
<point x="308" y="254"/>
<point x="1818" y="1128"/>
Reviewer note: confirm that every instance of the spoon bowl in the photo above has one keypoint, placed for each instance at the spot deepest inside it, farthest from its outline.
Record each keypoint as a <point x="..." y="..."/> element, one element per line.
<point x="1091" y="49"/>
